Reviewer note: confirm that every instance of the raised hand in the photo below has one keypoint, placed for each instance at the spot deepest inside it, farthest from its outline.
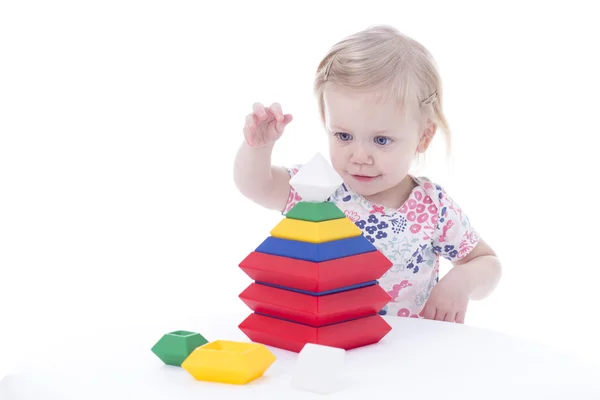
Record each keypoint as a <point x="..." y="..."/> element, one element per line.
<point x="265" y="125"/>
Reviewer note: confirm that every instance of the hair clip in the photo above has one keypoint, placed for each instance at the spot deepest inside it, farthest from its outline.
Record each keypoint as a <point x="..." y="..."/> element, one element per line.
<point x="430" y="99"/>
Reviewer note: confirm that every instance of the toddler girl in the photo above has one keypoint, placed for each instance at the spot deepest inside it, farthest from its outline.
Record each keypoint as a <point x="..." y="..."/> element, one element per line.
<point x="380" y="101"/>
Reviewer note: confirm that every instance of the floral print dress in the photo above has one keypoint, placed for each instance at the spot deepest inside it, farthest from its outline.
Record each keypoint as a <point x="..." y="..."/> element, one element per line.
<point x="413" y="237"/>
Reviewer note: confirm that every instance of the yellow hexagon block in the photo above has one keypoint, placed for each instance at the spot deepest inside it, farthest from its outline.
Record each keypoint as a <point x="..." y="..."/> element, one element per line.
<point x="227" y="361"/>
<point x="315" y="232"/>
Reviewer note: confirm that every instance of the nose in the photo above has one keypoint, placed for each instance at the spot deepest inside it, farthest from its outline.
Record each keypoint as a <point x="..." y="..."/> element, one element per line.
<point x="360" y="155"/>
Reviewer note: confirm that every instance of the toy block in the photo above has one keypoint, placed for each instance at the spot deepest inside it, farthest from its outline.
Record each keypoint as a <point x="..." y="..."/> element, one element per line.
<point x="227" y="361"/>
<point x="174" y="347"/>
<point x="315" y="276"/>
<point x="316" y="252"/>
<point x="316" y="180"/>
<point x="315" y="310"/>
<point x="362" y="267"/>
<point x="292" y="336"/>
<point x="315" y="232"/>
<point x="315" y="212"/>
<point x="319" y="369"/>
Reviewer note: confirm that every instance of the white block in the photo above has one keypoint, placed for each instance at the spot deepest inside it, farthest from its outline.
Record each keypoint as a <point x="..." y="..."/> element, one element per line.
<point x="319" y="369"/>
<point x="316" y="180"/>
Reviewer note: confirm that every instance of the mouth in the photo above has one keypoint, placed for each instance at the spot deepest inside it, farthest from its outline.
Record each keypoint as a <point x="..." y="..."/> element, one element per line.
<point x="364" y="178"/>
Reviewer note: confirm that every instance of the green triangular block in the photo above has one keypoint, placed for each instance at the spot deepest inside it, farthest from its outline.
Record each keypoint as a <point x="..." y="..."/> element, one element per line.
<point x="315" y="212"/>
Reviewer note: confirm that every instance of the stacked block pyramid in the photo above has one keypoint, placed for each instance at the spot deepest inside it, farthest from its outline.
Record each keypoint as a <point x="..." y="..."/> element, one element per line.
<point x="315" y="276"/>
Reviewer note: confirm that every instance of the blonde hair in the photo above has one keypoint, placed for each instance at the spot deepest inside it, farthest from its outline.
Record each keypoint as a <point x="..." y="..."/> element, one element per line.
<point x="398" y="67"/>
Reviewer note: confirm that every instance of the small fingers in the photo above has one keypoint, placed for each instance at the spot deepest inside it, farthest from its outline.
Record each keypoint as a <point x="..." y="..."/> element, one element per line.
<point x="450" y="316"/>
<point x="429" y="312"/>
<point x="250" y="122"/>
<point x="259" y="111"/>
<point x="276" y="110"/>
<point x="440" y="315"/>
<point x="248" y="136"/>
<point x="287" y="118"/>
<point x="262" y="118"/>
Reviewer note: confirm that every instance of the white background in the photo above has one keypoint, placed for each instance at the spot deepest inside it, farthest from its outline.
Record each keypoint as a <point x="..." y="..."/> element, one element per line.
<point x="119" y="122"/>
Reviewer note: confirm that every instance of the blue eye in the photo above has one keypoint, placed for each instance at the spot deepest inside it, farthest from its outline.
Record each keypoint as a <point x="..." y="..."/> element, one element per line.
<point x="382" y="140"/>
<point x="343" y="136"/>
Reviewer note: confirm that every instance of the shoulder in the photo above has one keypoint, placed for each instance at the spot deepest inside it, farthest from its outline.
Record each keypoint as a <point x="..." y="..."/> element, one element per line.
<point x="426" y="195"/>
<point x="433" y="193"/>
<point x="430" y="188"/>
<point x="454" y="235"/>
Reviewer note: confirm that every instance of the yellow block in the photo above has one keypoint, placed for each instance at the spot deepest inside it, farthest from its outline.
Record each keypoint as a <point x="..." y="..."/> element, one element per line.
<point x="315" y="232"/>
<point x="227" y="361"/>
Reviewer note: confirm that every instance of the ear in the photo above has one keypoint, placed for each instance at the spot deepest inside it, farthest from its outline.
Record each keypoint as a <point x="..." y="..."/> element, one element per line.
<point x="427" y="137"/>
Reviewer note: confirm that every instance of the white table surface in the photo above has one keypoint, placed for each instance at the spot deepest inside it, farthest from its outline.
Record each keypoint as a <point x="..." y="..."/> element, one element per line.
<point x="418" y="359"/>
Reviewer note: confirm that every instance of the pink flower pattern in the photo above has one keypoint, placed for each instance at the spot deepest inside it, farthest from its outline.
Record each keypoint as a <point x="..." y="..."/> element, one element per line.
<point x="352" y="215"/>
<point x="421" y="213"/>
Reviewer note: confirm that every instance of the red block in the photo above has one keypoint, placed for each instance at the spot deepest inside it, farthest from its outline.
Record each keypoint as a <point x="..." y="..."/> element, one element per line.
<point x="315" y="310"/>
<point x="293" y="336"/>
<point x="315" y="276"/>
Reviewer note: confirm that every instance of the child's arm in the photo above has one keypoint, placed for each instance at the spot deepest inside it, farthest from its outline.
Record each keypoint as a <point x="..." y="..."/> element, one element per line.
<point x="254" y="175"/>
<point x="258" y="180"/>
<point x="473" y="277"/>
<point x="476" y="269"/>
<point x="480" y="270"/>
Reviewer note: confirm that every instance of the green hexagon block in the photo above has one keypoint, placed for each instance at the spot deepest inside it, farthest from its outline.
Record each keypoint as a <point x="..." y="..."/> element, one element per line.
<point x="174" y="347"/>
<point x="315" y="212"/>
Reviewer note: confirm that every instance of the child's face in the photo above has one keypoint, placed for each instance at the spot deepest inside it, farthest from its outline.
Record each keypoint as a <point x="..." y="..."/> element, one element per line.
<point x="371" y="145"/>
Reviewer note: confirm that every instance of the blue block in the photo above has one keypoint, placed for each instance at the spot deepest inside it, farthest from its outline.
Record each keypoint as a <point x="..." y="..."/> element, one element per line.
<point x="324" y="293"/>
<point x="316" y="252"/>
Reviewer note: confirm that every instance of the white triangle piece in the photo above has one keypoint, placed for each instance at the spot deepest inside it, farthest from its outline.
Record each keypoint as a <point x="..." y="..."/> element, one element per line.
<point x="316" y="181"/>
